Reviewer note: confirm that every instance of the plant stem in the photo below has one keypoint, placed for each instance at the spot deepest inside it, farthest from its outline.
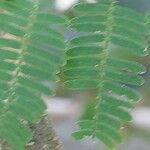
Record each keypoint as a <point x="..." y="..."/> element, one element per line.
<point x="44" y="137"/>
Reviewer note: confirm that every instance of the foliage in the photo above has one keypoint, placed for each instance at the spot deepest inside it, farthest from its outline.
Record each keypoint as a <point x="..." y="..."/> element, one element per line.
<point x="32" y="52"/>
<point x="90" y="65"/>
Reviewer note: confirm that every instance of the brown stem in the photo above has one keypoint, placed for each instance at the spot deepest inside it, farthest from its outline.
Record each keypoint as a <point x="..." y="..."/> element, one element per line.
<point x="44" y="137"/>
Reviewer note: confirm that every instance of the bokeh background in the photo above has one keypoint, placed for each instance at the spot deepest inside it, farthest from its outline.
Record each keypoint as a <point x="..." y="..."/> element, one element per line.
<point x="68" y="106"/>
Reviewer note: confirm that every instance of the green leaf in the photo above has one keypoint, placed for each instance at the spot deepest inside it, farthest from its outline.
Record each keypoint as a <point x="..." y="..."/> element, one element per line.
<point x="121" y="90"/>
<point x="3" y="86"/>
<point x="110" y="120"/>
<point x="111" y="100"/>
<point x="5" y="76"/>
<point x="46" y="30"/>
<point x="129" y="34"/>
<point x="12" y="29"/>
<point x="35" y="86"/>
<point x="123" y="77"/>
<point x="118" y="112"/>
<point x="86" y="61"/>
<point x="109" y="132"/>
<point x="88" y="19"/>
<point x="29" y="109"/>
<point x="7" y="66"/>
<point x="14" y="19"/>
<point x="128" y="13"/>
<point x="87" y="39"/>
<point x="83" y="72"/>
<point x="84" y="51"/>
<point x="41" y="63"/>
<point x="13" y="131"/>
<point x="105" y="139"/>
<point x="132" y="46"/>
<point x="138" y="27"/>
<point x="50" y="18"/>
<point x="91" y="65"/>
<point x="88" y="27"/>
<point x="85" y="124"/>
<point x="82" y="133"/>
<point x="83" y="84"/>
<point x="7" y="54"/>
<point x="38" y="73"/>
<point x="91" y="8"/>
<point x="44" y="39"/>
<point x="10" y="43"/>
<point x="126" y="65"/>
<point x="31" y="53"/>
<point x="53" y="57"/>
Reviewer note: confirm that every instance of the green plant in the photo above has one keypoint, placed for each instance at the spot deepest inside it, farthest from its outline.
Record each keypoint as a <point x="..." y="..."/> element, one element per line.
<point x="32" y="51"/>
<point x="90" y="65"/>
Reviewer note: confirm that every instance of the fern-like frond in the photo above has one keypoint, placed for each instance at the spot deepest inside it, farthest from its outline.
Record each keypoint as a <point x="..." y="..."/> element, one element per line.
<point x="90" y="65"/>
<point x="31" y="52"/>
